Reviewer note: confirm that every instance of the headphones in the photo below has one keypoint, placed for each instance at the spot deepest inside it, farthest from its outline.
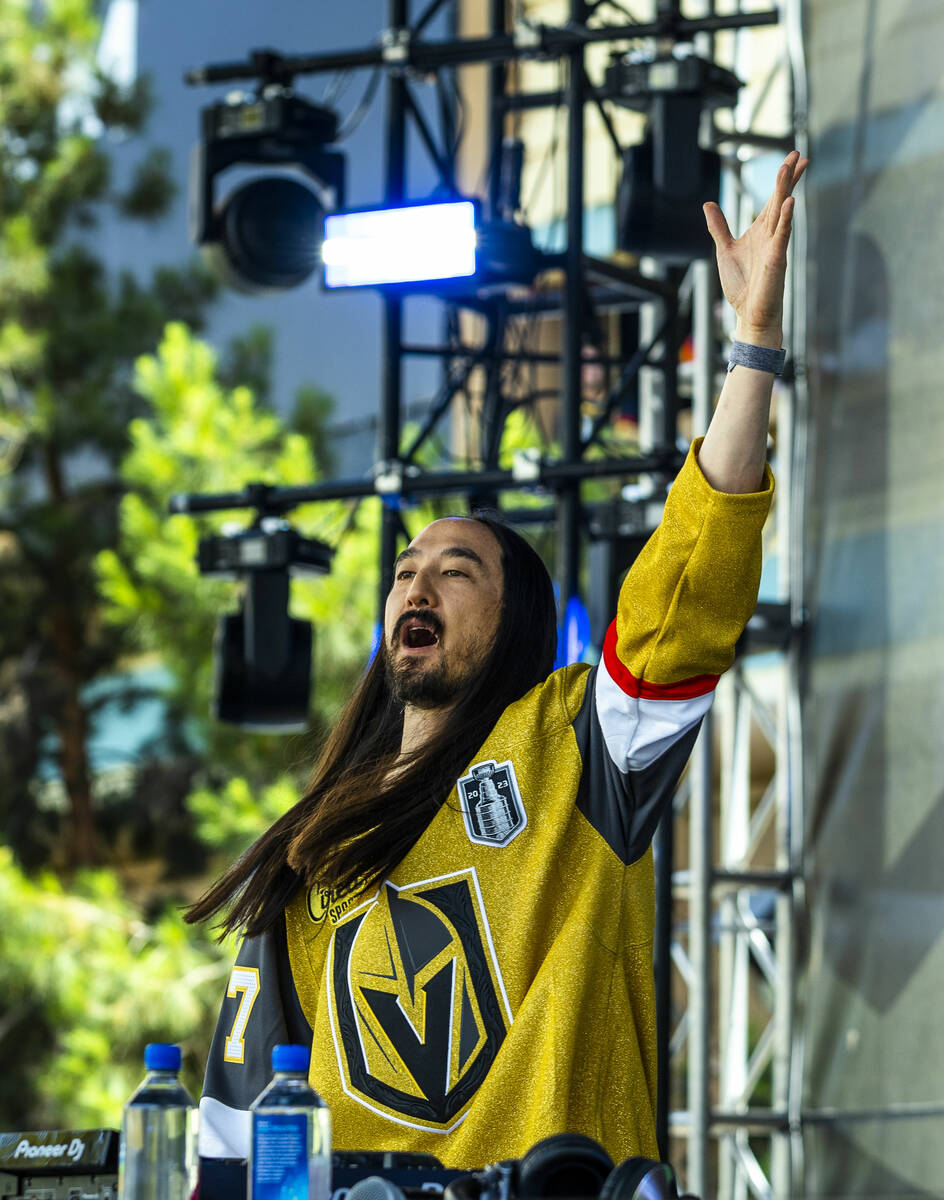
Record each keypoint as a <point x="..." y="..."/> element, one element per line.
<point x="567" y="1166"/>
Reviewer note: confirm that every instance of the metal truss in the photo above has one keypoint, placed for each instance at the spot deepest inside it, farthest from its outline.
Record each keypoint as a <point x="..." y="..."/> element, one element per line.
<point x="738" y="958"/>
<point x="739" y="898"/>
<point x="407" y="55"/>
<point x="736" y="906"/>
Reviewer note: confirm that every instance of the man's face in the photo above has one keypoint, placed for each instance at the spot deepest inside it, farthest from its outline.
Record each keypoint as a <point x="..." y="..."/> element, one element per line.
<point x="443" y="611"/>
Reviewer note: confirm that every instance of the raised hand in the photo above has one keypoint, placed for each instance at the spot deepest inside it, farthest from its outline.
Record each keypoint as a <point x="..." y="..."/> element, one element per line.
<point x="753" y="266"/>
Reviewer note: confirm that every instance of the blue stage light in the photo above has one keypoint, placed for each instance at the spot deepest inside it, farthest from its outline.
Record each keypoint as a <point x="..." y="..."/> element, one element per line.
<point x="400" y="245"/>
<point x="375" y="641"/>
<point x="573" y="639"/>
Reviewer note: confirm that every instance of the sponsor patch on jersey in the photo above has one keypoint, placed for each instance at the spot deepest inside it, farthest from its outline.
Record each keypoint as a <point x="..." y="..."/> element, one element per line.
<point x="418" y="1006"/>
<point x="491" y="803"/>
<point x="330" y="902"/>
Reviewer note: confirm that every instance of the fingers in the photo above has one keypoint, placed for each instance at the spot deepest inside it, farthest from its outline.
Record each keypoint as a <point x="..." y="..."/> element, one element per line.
<point x="717" y="226"/>
<point x="791" y="172"/>
<point x="783" y="185"/>
<point x="776" y="217"/>
<point x="799" y="169"/>
<point x="785" y="223"/>
<point x="796" y="169"/>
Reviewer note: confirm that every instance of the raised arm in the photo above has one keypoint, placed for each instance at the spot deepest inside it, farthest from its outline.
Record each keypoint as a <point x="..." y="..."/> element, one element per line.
<point x="691" y="590"/>
<point x="752" y="269"/>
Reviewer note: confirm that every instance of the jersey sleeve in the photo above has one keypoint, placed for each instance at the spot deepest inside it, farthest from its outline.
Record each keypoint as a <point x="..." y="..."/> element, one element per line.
<point x="682" y="607"/>
<point x="260" y="1010"/>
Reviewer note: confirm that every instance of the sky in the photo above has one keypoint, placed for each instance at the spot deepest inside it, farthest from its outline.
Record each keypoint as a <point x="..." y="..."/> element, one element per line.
<point x="332" y="340"/>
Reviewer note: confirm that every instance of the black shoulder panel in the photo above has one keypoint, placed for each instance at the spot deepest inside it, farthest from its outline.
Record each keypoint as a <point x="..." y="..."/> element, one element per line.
<point x="624" y="809"/>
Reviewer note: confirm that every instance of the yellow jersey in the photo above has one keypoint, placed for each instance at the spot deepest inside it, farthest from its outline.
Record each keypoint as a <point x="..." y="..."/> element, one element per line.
<point x="497" y="987"/>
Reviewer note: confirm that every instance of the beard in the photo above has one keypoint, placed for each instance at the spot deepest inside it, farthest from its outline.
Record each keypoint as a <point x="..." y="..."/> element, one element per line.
<point x="429" y="685"/>
<point x="425" y="685"/>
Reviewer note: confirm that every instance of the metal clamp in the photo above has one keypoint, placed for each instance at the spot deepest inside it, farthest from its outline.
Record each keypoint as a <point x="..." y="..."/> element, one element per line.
<point x="527" y="36"/>
<point x="395" y="46"/>
<point x="526" y="465"/>
<point x="388" y="478"/>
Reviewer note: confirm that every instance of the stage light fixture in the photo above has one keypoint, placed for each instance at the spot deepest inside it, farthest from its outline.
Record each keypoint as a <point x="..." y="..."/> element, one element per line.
<point x="399" y="245"/>
<point x="668" y="176"/>
<point x="262" y="660"/>
<point x="435" y="247"/>
<point x="265" y="235"/>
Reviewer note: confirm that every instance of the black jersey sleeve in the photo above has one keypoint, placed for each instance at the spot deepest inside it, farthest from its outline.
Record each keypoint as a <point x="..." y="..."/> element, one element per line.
<point x="623" y="802"/>
<point x="260" y="1010"/>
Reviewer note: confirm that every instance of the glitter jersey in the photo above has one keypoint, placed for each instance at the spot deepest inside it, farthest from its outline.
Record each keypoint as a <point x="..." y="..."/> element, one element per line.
<point x="497" y="987"/>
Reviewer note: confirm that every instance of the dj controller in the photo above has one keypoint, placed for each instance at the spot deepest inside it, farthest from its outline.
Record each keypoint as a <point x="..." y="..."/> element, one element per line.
<point x="56" y="1164"/>
<point x="83" y="1165"/>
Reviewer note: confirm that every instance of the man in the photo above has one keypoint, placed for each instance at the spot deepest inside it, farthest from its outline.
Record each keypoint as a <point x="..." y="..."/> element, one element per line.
<point x="458" y="914"/>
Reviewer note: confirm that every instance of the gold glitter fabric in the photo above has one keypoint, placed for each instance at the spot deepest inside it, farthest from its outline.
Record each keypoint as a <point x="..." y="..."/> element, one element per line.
<point x="498" y="987"/>
<point x="688" y="609"/>
<point x="544" y="941"/>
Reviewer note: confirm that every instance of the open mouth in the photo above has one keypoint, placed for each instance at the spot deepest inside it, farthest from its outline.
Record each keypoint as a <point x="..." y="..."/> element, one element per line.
<point x="417" y="634"/>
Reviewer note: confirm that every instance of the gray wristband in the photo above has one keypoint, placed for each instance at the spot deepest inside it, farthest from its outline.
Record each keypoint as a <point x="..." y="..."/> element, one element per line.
<point x="758" y="358"/>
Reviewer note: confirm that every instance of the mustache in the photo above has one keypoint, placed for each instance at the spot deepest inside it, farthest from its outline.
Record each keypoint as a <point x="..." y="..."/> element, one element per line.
<point x="430" y="619"/>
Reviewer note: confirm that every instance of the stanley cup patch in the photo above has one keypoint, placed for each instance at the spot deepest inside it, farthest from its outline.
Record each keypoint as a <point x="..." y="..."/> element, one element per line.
<point x="491" y="803"/>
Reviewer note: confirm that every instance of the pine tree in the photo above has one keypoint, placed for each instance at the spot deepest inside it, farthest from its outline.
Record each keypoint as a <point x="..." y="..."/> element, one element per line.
<point x="69" y="335"/>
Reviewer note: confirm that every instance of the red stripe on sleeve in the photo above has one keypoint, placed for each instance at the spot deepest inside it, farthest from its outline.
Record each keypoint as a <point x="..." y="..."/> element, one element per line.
<point x="626" y="681"/>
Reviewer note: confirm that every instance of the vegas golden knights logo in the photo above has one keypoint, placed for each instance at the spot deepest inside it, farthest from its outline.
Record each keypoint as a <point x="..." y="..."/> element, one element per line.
<point x="418" y="1007"/>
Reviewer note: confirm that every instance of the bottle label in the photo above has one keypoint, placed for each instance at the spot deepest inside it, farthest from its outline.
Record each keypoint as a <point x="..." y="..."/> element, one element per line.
<point x="280" y="1156"/>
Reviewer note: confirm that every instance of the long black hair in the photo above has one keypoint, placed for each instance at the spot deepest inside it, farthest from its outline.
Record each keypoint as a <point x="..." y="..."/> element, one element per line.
<point x="357" y="819"/>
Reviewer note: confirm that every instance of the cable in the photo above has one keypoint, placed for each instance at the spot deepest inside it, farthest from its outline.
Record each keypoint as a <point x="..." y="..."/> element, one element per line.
<point x="336" y="88"/>
<point x="360" y="112"/>
<point x="559" y="208"/>
<point x="446" y="118"/>
<point x="550" y="153"/>
<point x="462" y="109"/>
<point x="615" y="5"/>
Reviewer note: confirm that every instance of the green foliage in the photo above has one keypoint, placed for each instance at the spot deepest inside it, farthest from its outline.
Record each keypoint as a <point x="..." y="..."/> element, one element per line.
<point x="231" y="818"/>
<point x="248" y="362"/>
<point x="69" y="335"/>
<point x="97" y="432"/>
<point x="83" y="976"/>
<point x="201" y="436"/>
<point x="152" y="188"/>
<point x="312" y="410"/>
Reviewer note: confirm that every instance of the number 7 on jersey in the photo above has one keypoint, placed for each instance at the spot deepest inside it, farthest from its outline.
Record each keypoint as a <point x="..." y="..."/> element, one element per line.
<point x="243" y="980"/>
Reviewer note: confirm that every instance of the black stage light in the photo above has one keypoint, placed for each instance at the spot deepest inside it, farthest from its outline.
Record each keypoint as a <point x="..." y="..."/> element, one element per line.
<point x="270" y="233"/>
<point x="668" y="176"/>
<point x="510" y="170"/>
<point x="266" y="234"/>
<point x="508" y="255"/>
<point x="262" y="677"/>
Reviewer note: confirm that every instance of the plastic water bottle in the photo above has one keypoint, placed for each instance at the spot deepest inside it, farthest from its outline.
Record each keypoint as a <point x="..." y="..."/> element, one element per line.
<point x="157" y="1157"/>
<point x="290" y="1149"/>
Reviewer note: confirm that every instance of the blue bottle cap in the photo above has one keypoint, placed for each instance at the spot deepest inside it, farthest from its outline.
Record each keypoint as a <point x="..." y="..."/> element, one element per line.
<point x="291" y="1058"/>
<point x="160" y="1056"/>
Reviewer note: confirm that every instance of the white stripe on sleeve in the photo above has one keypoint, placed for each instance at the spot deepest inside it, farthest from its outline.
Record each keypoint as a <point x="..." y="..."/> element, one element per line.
<point x="637" y="731"/>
